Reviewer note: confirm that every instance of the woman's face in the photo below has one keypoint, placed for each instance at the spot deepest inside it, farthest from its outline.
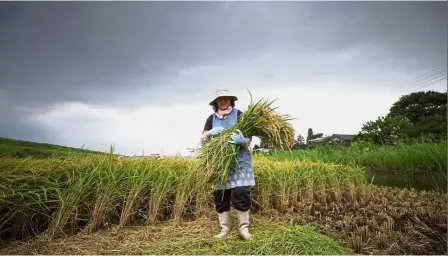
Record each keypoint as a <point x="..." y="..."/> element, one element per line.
<point x="224" y="103"/>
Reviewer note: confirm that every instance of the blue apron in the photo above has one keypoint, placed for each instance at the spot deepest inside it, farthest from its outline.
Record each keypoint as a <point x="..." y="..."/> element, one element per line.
<point x="242" y="174"/>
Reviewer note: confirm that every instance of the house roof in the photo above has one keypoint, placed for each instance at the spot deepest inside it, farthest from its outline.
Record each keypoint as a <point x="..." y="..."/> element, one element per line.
<point x="343" y="136"/>
<point x="319" y="139"/>
<point x="346" y="137"/>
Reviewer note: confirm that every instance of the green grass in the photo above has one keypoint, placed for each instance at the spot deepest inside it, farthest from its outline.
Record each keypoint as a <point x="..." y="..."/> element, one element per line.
<point x="418" y="165"/>
<point x="418" y="155"/>
<point x="281" y="240"/>
<point x="20" y="148"/>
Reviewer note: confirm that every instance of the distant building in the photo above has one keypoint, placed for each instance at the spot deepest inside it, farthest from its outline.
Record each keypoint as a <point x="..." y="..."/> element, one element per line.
<point x="193" y="150"/>
<point x="335" y="138"/>
<point x="262" y="150"/>
<point x="156" y="156"/>
<point x="342" y="137"/>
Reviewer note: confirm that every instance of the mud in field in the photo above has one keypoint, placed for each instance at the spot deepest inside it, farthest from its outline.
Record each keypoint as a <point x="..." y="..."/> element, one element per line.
<point x="420" y="179"/>
<point x="379" y="220"/>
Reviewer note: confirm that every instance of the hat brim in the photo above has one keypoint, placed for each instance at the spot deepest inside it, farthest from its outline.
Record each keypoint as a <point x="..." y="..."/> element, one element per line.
<point x="213" y="102"/>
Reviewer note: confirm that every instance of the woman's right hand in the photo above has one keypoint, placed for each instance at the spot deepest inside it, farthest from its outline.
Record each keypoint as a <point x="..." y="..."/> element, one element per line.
<point x="214" y="131"/>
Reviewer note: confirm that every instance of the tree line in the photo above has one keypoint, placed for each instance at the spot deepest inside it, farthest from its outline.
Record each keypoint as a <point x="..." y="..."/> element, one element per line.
<point x="416" y="116"/>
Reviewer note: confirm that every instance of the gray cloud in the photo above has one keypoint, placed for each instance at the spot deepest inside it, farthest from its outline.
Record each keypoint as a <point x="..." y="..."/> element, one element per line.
<point x="60" y="51"/>
<point x="75" y="50"/>
<point x="129" y="53"/>
<point x="28" y="132"/>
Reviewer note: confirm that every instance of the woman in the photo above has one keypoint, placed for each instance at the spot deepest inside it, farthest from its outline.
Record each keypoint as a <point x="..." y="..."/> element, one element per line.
<point x="236" y="189"/>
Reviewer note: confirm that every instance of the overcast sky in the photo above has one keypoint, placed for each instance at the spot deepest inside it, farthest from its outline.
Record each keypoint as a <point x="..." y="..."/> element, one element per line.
<point x="140" y="74"/>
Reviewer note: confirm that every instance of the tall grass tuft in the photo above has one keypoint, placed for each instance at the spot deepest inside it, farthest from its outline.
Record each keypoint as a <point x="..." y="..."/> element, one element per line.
<point x="110" y="184"/>
<point x="27" y="198"/>
<point x="140" y="175"/>
<point x="75" y="198"/>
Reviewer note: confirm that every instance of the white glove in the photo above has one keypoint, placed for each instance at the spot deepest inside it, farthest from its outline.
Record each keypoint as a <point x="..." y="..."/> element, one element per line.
<point x="214" y="131"/>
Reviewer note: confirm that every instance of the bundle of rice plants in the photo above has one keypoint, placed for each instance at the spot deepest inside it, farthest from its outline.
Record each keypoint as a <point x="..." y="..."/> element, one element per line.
<point x="217" y="157"/>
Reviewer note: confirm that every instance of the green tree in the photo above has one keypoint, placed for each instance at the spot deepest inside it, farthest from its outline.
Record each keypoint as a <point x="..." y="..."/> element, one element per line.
<point x="385" y="130"/>
<point x="299" y="142"/>
<point x="300" y="139"/>
<point x="426" y="110"/>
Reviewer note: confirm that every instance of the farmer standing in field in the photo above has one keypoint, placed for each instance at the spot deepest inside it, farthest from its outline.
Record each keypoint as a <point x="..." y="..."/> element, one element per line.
<point x="236" y="189"/>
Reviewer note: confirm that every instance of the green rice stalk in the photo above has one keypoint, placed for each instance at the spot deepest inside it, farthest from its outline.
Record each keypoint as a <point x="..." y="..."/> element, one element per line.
<point x="139" y="185"/>
<point x="185" y="190"/>
<point x="111" y="182"/>
<point x="79" y="192"/>
<point x="163" y="183"/>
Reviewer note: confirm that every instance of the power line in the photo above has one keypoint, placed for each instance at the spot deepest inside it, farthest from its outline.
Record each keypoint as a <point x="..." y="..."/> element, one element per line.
<point x="435" y="77"/>
<point x="434" y="70"/>
<point x="438" y="80"/>
<point x="427" y="77"/>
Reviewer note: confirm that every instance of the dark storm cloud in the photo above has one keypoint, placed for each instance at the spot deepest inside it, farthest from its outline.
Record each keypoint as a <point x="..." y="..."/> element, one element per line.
<point x="28" y="132"/>
<point x="60" y="51"/>
<point x="409" y="30"/>
<point x="100" y="52"/>
<point x="16" y="121"/>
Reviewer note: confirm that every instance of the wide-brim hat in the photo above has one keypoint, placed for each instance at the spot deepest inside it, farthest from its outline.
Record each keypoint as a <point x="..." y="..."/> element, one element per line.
<point x="222" y="92"/>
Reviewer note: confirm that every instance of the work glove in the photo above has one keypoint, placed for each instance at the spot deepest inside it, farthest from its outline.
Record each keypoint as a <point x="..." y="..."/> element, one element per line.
<point x="214" y="131"/>
<point x="238" y="138"/>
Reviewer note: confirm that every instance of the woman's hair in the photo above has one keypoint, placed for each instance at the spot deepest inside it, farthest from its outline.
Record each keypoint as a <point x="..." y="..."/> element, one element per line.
<point x="215" y="106"/>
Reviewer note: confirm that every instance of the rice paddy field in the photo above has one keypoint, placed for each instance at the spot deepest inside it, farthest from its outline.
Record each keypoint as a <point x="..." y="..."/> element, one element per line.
<point x="418" y="165"/>
<point x="317" y="201"/>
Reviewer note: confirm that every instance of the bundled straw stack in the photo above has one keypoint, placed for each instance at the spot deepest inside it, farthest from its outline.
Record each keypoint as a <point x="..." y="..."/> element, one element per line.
<point x="217" y="156"/>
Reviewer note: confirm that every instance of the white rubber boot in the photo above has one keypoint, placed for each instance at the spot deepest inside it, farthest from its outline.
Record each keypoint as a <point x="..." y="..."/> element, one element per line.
<point x="224" y="223"/>
<point x="244" y="224"/>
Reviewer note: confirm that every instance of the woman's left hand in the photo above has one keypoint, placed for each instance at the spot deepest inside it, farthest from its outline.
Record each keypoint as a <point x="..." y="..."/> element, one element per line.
<point x="238" y="138"/>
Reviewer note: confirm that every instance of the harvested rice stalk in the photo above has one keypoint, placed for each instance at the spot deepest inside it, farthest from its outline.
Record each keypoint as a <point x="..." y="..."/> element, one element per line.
<point x="217" y="156"/>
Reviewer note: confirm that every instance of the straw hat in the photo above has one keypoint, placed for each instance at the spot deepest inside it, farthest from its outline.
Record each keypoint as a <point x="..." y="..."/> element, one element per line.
<point x="222" y="92"/>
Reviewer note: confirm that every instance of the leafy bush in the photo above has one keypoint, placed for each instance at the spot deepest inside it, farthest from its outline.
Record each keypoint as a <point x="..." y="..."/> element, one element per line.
<point x="386" y="130"/>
